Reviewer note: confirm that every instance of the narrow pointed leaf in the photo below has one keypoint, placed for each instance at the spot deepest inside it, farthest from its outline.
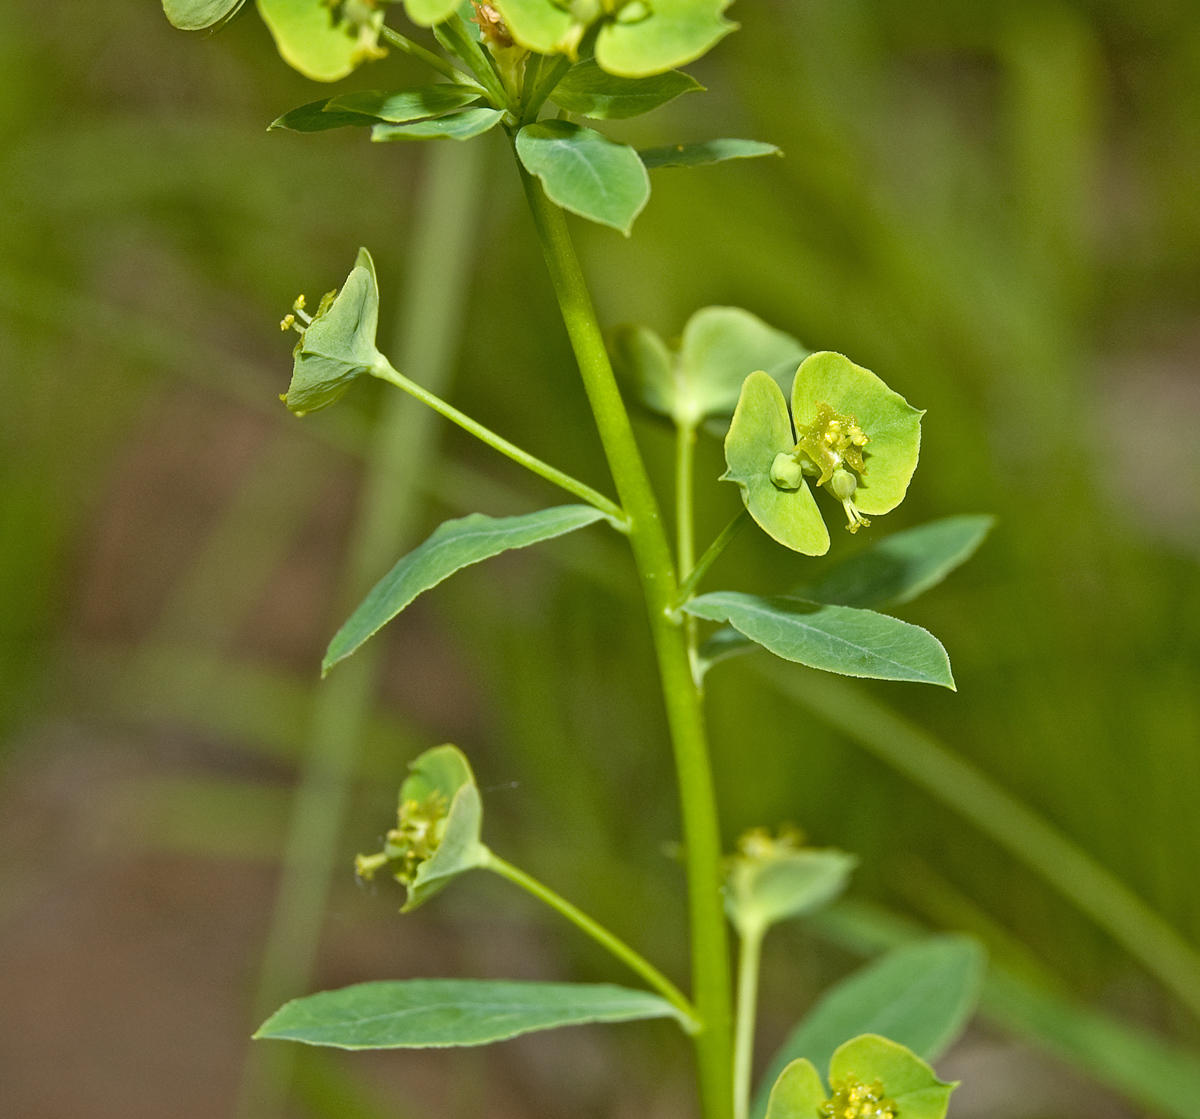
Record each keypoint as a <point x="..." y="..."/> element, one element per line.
<point x="708" y="151"/>
<point x="454" y="545"/>
<point x="399" y="105"/>
<point x="921" y="995"/>
<point x="434" y="1013"/>
<point x="590" y="92"/>
<point x="317" y="117"/>
<point x="197" y="15"/>
<point x="724" y="644"/>
<point x="837" y="639"/>
<point x="454" y="126"/>
<point x="585" y="172"/>
<point x="899" y="567"/>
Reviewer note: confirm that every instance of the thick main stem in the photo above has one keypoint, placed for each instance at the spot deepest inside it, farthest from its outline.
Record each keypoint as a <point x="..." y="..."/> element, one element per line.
<point x="685" y="715"/>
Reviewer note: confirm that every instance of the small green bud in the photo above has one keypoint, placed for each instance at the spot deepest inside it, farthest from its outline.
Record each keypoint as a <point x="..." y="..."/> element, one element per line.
<point x="785" y="472"/>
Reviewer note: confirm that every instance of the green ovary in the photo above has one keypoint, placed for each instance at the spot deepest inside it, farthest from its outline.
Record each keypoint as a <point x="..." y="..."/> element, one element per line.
<point x="852" y="1099"/>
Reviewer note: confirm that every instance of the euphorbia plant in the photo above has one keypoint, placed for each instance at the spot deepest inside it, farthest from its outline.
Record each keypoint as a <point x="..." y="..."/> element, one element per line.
<point x="790" y="419"/>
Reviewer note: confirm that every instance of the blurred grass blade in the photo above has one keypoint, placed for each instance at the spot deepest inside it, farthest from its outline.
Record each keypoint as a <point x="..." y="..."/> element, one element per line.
<point x="921" y="995"/>
<point x="434" y="1013"/>
<point x="960" y="786"/>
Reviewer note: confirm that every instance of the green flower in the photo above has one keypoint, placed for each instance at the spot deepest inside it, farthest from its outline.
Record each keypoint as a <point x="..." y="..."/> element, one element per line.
<point x="438" y="821"/>
<point x="870" y="1077"/>
<point x="853" y="435"/>
<point x="636" y="38"/>
<point x="337" y="344"/>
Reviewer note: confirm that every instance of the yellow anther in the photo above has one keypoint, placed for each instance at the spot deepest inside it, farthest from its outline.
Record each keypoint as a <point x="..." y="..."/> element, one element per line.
<point x="287" y="321"/>
<point x="299" y="304"/>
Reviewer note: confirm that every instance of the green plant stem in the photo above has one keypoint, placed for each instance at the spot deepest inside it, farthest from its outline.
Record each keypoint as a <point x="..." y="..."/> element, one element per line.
<point x="415" y="50"/>
<point x="685" y="528"/>
<point x="599" y="934"/>
<point x="711" y="554"/>
<point x="511" y="450"/>
<point x="542" y="85"/>
<point x="1024" y="834"/>
<point x="429" y="324"/>
<point x="456" y="38"/>
<point x="684" y="709"/>
<point x="749" y="957"/>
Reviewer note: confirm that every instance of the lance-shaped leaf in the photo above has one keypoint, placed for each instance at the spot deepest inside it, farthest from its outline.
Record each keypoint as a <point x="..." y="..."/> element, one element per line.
<point x="837" y="639"/>
<point x="438" y="823"/>
<point x="720" y="348"/>
<point x="899" y="567"/>
<point x="197" y="15"/>
<point x="648" y="38"/>
<point x="590" y="92"/>
<point x="317" y="117"/>
<point x="453" y="545"/>
<point x="309" y="40"/>
<point x="891" y="425"/>
<point x="429" y="1013"/>
<point x="399" y="105"/>
<point x="921" y="995"/>
<point x="465" y="125"/>
<point x="585" y="172"/>
<point x="339" y="344"/>
<point x="869" y="1076"/>
<point x="761" y="432"/>
<point x="773" y="879"/>
<point x="425" y="13"/>
<point x="704" y="153"/>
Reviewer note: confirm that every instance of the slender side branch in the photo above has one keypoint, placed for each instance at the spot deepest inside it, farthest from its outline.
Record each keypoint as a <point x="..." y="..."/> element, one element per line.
<point x="710" y="556"/>
<point x="601" y="935"/>
<point x="749" y="956"/>
<point x="436" y="62"/>
<point x="552" y="474"/>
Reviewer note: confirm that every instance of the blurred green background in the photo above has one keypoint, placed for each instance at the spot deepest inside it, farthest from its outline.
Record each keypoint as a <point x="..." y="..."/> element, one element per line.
<point x="995" y="206"/>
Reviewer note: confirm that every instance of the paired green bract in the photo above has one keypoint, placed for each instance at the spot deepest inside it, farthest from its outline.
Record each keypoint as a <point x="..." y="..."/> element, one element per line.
<point x="637" y="38"/>
<point x="869" y="438"/>
<point x="338" y="344"/>
<point x="438" y="823"/>
<point x="773" y="879"/>
<point x="870" y="1077"/>
<point x="702" y="379"/>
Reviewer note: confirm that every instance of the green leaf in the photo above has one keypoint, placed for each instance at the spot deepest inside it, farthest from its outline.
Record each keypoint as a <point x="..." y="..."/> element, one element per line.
<point x="775" y="880"/>
<point x="537" y="25"/>
<point x="454" y="545"/>
<point x="399" y="105"/>
<point x="797" y="1093"/>
<point x="339" y="345"/>
<point x="720" y="348"/>
<point x="590" y="92"/>
<point x="425" y="13"/>
<point x="667" y="34"/>
<point x="585" y="172"/>
<point x="892" y="425"/>
<point x="197" y="15"/>
<point x="427" y="1013"/>
<point x="906" y="1079"/>
<point x="920" y="995"/>
<point x="313" y="117"/>
<point x="454" y="126"/>
<point x="706" y="152"/>
<point x="899" y="567"/>
<point x="724" y="644"/>
<point x="837" y="639"/>
<point x="760" y="431"/>
<point x="308" y="40"/>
